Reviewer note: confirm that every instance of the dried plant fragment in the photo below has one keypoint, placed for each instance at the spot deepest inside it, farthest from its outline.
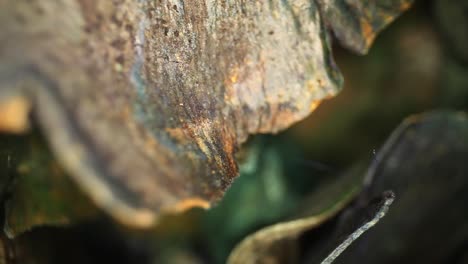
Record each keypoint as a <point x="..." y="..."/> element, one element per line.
<point x="424" y="163"/>
<point x="145" y="103"/>
<point x="383" y="206"/>
<point x="14" y="115"/>
<point x="277" y="243"/>
<point x="356" y="22"/>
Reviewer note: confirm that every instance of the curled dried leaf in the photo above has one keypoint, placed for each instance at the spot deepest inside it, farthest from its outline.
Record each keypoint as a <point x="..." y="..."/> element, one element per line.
<point x="276" y="243"/>
<point x="424" y="163"/>
<point x="145" y="103"/>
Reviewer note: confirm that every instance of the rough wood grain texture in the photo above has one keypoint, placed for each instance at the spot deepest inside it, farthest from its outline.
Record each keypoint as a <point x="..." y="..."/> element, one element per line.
<point x="146" y="102"/>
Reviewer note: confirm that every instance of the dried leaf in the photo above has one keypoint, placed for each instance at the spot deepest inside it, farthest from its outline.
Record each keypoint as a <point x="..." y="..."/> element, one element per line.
<point x="378" y="209"/>
<point x="276" y="243"/>
<point x="145" y="103"/>
<point x="357" y="22"/>
<point x="424" y="163"/>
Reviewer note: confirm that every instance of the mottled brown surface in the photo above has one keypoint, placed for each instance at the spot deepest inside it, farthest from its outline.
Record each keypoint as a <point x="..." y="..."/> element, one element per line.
<point x="146" y="102"/>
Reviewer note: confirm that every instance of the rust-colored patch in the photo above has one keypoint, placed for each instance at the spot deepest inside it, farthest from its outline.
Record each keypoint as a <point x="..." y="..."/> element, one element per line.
<point x="367" y="31"/>
<point x="178" y="134"/>
<point x="386" y="18"/>
<point x="405" y="6"/>
<point x="314" y="105"/>
<point x="234" y="77"/>
<point x="189" y="203"/>
<point x="14" y="115"/>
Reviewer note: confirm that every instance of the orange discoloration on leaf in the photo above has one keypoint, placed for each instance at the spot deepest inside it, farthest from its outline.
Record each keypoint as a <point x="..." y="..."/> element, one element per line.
<point x="234" y="77"/>
<point x="14" y="115"/>
<point x="405" y="6"/>
<point x="189" y="203"/>
<point x="140" y="218"/>
<point x="367" y="31"/>
<point x="314" y="105"/>
<point x="178" y="134"/>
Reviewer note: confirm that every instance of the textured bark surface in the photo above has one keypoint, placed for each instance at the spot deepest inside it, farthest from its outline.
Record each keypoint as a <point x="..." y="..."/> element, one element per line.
<point x="146" y="102"/>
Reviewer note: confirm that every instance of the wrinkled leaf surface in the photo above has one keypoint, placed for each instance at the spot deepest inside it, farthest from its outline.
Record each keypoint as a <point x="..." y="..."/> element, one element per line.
<point x="145" y="103"/>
